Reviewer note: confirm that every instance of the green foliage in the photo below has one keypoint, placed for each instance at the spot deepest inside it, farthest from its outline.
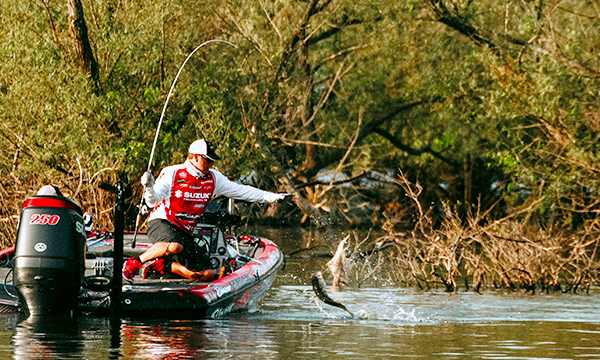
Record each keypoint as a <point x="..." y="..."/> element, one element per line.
<point x="284" y="105"/>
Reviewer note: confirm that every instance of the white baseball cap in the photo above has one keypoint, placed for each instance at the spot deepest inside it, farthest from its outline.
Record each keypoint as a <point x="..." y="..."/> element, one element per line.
<point x="204" y="148"/>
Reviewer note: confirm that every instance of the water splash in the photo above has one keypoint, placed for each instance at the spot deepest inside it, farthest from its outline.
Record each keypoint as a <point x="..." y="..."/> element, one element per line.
<point x="366" y="315"/>
<point x="405" y="316"/>
<point x="400" y="315"/>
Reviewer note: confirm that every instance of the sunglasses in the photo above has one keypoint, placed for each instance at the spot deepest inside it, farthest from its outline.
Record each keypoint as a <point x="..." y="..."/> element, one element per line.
<point x="207" y="158"/>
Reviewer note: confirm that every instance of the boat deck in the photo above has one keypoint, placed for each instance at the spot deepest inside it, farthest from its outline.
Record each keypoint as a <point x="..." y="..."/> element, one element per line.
<point x="102" y="248"/>
<point x="160" y="284"/>
<point x="167" y="293"/>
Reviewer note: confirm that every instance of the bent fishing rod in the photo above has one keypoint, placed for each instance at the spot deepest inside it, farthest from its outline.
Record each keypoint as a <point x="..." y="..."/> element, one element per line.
<point x="162" y="115"/>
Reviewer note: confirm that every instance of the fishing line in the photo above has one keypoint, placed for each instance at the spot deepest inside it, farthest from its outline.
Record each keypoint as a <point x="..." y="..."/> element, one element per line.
<point x="171" y="91"/>
<point x="162" y="115"/>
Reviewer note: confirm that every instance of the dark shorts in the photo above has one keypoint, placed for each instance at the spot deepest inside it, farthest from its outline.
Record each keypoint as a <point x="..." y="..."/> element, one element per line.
<point x="195" y="253"/>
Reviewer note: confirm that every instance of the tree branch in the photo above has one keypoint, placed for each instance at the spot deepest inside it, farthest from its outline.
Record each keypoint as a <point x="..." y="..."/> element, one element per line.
<point x="334" y="30"/>
<point x="87" y="61"/>
<point x="411" y="151"/>
<point x="329" y="182"/>
<point x="328" y="158"/>
<point x="490" y="37"/>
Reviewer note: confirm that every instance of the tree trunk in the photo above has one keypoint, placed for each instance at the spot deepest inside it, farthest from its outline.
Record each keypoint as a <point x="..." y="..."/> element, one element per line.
<point x="78" y="28"/>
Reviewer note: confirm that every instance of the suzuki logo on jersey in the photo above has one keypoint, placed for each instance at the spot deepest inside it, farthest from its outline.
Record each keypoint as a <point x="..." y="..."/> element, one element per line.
<point x="179" y="194"/>
<point x="199" y="196"/>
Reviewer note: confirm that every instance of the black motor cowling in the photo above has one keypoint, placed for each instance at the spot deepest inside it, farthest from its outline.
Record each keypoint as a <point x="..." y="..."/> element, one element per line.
<point x="49" y="258"/>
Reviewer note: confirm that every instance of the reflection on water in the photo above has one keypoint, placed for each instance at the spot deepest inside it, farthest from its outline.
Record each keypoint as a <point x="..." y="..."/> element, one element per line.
<point x="389" y="323"/>
<point x="62" y="338"/>
<point x="292" y="324"/>
<point x="50" y="338"/>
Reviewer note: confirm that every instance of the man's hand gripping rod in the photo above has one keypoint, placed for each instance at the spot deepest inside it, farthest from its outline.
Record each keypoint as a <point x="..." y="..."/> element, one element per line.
<point x="139" y="214"/>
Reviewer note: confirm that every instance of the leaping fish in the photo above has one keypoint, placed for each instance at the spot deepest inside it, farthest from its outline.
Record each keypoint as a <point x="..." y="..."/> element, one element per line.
<point x="319" y="285"/>
<point x="338" y="265"/>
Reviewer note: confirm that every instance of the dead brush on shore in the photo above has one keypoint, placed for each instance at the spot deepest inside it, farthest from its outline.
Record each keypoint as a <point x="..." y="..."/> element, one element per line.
<point x="508" y="253"/>
<point x="84" y="190"/>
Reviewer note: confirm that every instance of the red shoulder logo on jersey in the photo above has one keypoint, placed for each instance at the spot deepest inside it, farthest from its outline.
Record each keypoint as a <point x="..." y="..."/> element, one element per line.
<point x="182" y="174"/>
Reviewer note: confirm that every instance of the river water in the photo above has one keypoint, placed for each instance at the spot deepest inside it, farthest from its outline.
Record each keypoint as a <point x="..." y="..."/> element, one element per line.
<point x="389" y="322"/>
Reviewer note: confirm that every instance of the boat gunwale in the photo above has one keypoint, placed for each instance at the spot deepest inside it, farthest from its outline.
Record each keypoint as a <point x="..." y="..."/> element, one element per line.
<point x="201" y="290"/>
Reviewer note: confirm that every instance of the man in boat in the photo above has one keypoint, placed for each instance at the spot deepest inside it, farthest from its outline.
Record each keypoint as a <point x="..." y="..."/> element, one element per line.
<point x="179" y="197"/>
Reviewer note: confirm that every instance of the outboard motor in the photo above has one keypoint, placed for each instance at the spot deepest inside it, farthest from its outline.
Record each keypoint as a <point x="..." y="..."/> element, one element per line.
<point x="49" y="258"/>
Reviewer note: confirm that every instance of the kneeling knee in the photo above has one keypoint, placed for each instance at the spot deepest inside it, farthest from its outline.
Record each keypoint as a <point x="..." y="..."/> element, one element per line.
<point x="174" y="248"/>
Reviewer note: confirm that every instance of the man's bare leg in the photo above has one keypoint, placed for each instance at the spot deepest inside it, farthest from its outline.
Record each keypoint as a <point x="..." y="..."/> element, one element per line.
<point x="132" y="266"/>
<point x="204" y="275"/>
<point x="159" y="249"/>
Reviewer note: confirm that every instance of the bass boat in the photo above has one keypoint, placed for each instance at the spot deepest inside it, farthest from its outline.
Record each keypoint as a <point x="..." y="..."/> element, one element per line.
<point x="57" y="269"/>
